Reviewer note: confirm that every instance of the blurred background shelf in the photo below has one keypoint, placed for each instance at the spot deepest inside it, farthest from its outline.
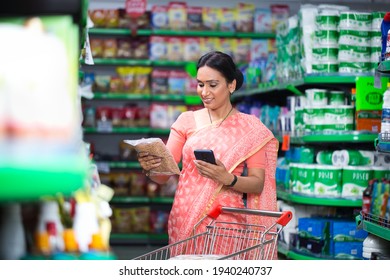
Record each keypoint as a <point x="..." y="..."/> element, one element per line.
<point x="34" y="179"/>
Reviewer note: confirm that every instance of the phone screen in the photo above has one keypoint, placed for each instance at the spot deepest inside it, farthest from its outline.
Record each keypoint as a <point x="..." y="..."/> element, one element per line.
<point x="205" y="155"/>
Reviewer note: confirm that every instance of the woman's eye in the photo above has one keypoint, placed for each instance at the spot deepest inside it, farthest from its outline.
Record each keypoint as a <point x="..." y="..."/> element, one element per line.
<point x="213" y="85"/>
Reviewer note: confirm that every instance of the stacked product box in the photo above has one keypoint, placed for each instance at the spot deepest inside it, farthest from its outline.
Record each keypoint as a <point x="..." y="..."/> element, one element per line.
<point x="333" y="237"/>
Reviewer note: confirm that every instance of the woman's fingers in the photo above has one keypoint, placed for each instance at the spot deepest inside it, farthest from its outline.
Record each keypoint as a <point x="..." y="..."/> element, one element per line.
<point x="149" y="162"/>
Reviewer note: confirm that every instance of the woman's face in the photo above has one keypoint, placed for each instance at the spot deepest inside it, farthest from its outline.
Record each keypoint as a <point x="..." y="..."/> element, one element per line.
<point x="213" y="88"/>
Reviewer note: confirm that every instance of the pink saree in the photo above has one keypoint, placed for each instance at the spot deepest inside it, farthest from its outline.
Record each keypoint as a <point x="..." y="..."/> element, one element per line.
<point x="235" y="140"/>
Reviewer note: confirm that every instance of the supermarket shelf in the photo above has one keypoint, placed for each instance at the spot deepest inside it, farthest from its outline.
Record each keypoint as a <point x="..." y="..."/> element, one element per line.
<point x="332" y="78"/>
<point x="294" y="85"/>
<point x="144" y="238"/>
<point x="76" y="8"/>
<point x="118" y="31"/>
<point x="121" y="61"/>
<point x="37" y="178"/>
<point x="141" y="199"/>
<point x="197" y="33"/>
<point x="168" y="97"/>
<point x="187" y="99"/>
<point x="371" y="224"/>
<point x="296" y="254"/>
<point x="106" y="166"/>
<point x="129" y="130"/>
<point x="70" y="256"/>
<point x="322" y="201"/>
<point x="124" y="96"/>
<point x="350" y="137"/>
<point x="114" y="130"/>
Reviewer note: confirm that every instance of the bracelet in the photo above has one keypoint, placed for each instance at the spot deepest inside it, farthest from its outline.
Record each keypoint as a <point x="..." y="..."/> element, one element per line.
<point x="234" y="182"/>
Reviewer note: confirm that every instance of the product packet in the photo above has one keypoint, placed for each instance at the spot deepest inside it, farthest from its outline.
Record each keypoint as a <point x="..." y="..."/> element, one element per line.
<point x="156" y="147"/>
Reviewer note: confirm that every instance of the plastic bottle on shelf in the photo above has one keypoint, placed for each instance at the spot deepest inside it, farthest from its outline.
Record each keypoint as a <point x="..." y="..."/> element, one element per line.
<point x="367" y="196"/>
<point x="12" y="235"/>
<point x="49" y="213"/>
<point x="373" y="243"/>
<point x="385" y="29"/>
<point x="385" y="122"/>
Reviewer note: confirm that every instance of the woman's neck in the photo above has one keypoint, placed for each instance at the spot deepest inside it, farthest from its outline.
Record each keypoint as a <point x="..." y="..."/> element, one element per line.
<point x="215" y="115"/>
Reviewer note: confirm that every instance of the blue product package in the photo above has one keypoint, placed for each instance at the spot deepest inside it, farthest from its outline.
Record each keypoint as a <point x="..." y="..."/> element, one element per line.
<point x="385" y="28"/>
<point x="348" y="250"/>
<point x="347" y="231"/>
<point x="318" y="228"/>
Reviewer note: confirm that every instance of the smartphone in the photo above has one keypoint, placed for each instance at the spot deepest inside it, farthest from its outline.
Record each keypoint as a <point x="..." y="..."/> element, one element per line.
<point x="205" y="155"/>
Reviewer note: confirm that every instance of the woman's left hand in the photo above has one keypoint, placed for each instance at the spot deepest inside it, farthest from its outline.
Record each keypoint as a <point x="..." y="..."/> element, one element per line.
<point x="216" y="172"/>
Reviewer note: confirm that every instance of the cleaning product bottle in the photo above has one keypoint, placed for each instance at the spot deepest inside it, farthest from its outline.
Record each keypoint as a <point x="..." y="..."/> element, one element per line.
<point x="385" y="28"/>
<point x="367" y="196"/>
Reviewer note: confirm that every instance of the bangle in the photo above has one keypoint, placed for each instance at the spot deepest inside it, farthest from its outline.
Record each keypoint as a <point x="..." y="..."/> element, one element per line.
<point x="233" y="182"/>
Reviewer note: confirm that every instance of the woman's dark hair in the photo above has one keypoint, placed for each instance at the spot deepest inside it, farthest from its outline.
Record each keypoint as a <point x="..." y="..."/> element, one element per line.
<point x="224" y="64"/>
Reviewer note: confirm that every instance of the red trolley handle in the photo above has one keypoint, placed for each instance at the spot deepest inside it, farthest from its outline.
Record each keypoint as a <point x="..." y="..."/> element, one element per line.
<point x="283" y="217"/>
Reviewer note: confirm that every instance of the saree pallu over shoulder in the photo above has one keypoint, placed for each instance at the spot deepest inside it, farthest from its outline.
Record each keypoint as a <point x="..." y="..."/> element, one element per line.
<point x="236" y="139"/>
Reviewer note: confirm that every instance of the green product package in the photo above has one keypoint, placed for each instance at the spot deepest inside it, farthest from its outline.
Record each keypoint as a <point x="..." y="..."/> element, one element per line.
<point x="368" y="97"/>
<point x="327" y="180"/>
<point x="355" y="180"/>
<point x="305" y="178"/>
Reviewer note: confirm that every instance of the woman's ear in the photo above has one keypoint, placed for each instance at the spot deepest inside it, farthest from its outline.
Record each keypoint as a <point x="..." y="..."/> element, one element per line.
<point x="232" y="86"/>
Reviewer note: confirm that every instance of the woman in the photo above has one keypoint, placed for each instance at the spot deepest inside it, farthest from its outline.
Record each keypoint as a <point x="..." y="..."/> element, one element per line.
<point x="238" y="140"/>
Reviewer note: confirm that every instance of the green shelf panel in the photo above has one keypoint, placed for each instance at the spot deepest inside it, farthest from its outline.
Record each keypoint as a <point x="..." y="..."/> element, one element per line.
<point x="131" y="130"/>
<point x="192" y="100"/>
<point x="255" y="35"/>
<point x="118" y="31"/>
<point x="142" y="199"/>
<point x="125" y="96"/>
<point x="130" y="199"/>
<point x="123" y="164"/>
<point x="39" y="178"/>
<point x="329" y="79"/>
<point x="139" y="236"/>
<point x="158" y="236"/>
<point x="122" y="61"/>
<point x="322" y="201"/>
<point x="293" y="89"/>
<point x="167" y="97"/>
<point x="168" y="63"/>
<point x="164" y="131"/>
<point x="163" y="200"/>
<point x="165" y="32"/>
<point x="298" y="256"/>
<point x="373" y="228"/>
<point x="352" y="137"/>
<point x="197" y="33"/>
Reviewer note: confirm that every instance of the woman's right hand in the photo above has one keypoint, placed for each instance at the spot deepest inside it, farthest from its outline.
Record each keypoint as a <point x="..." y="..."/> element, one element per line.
<point x="147" y="161"/>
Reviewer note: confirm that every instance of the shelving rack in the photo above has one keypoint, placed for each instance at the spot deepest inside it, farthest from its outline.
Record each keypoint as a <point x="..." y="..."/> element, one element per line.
<point x="31" y="179"/>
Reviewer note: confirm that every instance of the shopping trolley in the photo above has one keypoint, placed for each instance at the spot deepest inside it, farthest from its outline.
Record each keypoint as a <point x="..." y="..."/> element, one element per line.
<point x="226" y="240"/>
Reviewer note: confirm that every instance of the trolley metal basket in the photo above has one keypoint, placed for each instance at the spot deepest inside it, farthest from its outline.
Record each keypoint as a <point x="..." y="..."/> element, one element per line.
<point x="227" y="240"/>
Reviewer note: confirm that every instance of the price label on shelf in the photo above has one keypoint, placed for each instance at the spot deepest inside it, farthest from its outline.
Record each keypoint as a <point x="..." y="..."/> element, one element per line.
<point x="103" y="167"/>
<point x="104" y="126"/>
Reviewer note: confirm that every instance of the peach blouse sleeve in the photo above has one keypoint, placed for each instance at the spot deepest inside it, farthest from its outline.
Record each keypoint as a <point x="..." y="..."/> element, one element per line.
<point x="179" y="133"/>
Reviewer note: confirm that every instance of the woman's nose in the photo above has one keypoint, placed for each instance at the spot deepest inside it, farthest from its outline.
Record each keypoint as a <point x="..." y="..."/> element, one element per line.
<point x="205" y="91"/>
